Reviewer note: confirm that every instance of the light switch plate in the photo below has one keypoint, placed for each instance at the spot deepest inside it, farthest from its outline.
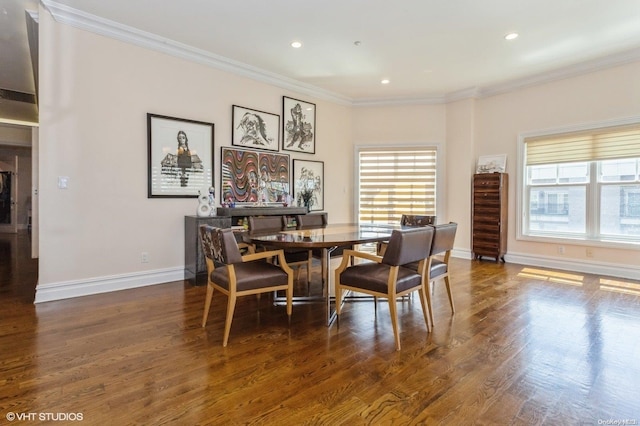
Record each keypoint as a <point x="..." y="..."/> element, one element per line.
<point x="63" y="182"/>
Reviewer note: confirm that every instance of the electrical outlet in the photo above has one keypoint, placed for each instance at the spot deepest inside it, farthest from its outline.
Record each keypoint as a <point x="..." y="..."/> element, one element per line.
<point x="144" y="257"/>
<point x="560" y="249"/>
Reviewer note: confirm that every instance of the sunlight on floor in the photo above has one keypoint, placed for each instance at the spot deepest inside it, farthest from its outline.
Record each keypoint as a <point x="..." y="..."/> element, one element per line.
<point x="620" y="286"/>
<point x="552" y="276"/>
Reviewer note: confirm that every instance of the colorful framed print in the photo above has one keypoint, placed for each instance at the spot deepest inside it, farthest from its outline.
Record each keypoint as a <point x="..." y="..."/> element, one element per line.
<point x="298" y="125"/>
<point x="254" y="177"/>
<point x="180" y="156"/>
<point x="308" y="178"/>
<point x="255" y="129"/>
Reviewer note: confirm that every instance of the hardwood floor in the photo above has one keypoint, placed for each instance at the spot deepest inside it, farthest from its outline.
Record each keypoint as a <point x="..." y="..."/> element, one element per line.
<point x="526" y="346"/>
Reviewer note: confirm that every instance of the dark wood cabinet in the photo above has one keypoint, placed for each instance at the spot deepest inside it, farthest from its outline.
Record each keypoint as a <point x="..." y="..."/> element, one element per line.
<point x="489" y="234"/>
<point x="195" y="268"/>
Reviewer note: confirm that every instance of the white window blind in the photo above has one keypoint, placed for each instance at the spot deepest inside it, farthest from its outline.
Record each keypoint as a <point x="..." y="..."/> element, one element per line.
<point x="595" y="144"/>
<point x="396" y="181"/>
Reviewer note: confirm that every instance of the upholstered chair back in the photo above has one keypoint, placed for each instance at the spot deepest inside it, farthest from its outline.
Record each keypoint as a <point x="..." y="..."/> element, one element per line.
<point x="408" y="246"/>
<point x="220" y="245"/>
<point x="417" y="220"/>
<point x="443" y="238"/>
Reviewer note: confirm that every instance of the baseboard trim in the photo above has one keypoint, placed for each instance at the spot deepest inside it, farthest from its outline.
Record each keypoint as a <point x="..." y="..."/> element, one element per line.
<point x="69" y="289"/>
<point x="574" y="265"/>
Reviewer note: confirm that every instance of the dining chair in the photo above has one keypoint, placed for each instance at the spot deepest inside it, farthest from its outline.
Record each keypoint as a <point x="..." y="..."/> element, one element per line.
<point x="417" y="220"/>
<point x="235" y="275"/>
<point x="312" y="220"/>
<point x="385" y="276"/>
<point x="409" y="220"/>
<point x="271" y="225"/>
<point x="438" y="269"/>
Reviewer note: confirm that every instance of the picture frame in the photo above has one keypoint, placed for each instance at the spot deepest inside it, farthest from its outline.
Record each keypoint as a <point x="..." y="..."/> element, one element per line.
<point x="252" y="178"/>
<point x="309" y="175"/>
<point x="492" y="164"/>
<point x="298" y="125"/>
<point x="180" y="156"/>
<point x="255" y="129"/>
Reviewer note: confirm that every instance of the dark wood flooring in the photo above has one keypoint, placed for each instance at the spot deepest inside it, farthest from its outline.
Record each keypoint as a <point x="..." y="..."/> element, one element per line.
<point x="526" y="346"/>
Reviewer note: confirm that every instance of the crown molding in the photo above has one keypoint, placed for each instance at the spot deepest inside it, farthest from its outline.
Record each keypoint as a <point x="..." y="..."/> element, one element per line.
<point x="610" y="61"/>
<point x="97" y="25"/>
<point x="427" y="100"/>
<point x="76" y="18"/>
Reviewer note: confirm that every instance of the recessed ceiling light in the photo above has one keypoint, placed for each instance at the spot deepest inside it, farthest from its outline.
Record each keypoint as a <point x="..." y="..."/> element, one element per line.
<point x="296" y="44"/>
<point x="385" y="81"/>
<point x="511" y="36"/>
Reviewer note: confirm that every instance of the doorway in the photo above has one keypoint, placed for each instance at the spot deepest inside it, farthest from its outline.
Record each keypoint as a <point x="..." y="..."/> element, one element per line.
<point x="8" y="195"/>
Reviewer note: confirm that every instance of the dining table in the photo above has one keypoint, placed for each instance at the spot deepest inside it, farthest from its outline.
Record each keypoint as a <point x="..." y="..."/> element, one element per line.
<point x="327" y="239"/>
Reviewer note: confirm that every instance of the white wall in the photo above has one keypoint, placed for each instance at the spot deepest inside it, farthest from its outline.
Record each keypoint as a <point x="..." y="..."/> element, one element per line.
<point x="596" y="97"/>
<point x="488" y="126"/>
<point x="95" y="93"/>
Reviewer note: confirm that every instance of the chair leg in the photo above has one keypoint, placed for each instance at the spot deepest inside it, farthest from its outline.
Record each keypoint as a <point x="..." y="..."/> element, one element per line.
<point x="394" y="320"/>
<point x="423" y="302"/>
<point x="446" y="281"/>
<point x="231" y="306"/>
<point x="338" y="295"/>
<point x="427" y="292"/>
<point x="290" y="298"/>
<point x="207" y="304"/>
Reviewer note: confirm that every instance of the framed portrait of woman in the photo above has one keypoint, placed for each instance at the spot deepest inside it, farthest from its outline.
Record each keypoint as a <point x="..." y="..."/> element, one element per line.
<point x="180" y="156"/>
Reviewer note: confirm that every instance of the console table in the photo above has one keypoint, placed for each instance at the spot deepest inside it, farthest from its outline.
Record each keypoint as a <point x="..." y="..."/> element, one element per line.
<point x="195" y="268"/>
<point x="239" y="213"/>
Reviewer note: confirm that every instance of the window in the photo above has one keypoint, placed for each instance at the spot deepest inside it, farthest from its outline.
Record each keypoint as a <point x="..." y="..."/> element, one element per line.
<point x="583" y="185"/>
<point x="395" y="181"/>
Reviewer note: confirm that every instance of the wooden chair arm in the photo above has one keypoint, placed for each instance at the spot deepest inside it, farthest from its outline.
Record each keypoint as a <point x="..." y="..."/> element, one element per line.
<point x="282" y="262"/>
<point x="362" y="255"/>
<point x="261" y="255"/>
<point x="349" y="254"/>
<point x="250" y="247"/>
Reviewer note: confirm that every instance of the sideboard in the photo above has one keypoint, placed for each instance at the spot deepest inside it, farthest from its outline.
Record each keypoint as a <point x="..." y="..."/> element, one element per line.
<point x="195" y="268"/>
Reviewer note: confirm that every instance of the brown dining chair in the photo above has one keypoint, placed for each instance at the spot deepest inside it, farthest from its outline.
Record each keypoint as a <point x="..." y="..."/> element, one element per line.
<point x="312" y="220"/>
<point x="235" y="275"/>
<point x="438" y="265"/>
<point x="296" y="258"/>
<point x="417" y="220"/>
<point x="409" y="220"/>
<point x="386" y="276"/>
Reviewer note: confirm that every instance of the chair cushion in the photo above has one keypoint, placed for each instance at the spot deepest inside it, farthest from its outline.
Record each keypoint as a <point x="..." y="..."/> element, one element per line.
<point x="438" y="268"/>
<point x="251" y="275"/>
<point x="374" y="277"/>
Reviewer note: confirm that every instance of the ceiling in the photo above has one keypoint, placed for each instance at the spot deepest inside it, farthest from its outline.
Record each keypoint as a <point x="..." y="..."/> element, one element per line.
<point x="430" y="50"/>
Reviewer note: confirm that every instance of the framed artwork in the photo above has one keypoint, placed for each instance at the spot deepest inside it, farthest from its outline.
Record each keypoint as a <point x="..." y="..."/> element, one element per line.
<point x="254" y="177"/>
<point x="492" y="163"/>
<point x="255" y="129"/>
<point x="298" y="125"/>
<point x="308" y="178"/>
<point x="180" y="156"/>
